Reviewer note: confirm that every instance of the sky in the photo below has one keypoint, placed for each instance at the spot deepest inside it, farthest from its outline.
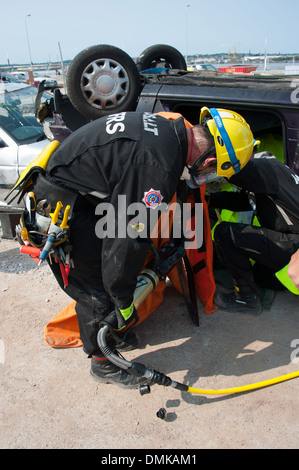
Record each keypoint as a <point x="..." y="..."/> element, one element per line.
<point x="196" y="27"/>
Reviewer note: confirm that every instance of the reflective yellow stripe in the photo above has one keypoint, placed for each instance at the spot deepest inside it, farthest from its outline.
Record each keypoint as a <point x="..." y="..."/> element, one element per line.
<point x="283" y="277"/>
<point x="127" y="312"/>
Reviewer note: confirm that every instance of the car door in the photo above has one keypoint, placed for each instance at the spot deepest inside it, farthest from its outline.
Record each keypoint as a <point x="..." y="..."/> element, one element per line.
<point x="8" y="160"/>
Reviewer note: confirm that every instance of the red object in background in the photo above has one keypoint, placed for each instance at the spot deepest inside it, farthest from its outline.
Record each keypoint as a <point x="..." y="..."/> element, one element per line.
<point x="238" y="68"/>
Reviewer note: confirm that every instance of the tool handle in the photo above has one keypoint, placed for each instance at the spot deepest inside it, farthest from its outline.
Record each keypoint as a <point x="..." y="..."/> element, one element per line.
<point x="30" y="206"/>
<point x="64" y="275"/>
<point x="30" y="250"/>
<point x="32" y="202"/>
<point x="54" y="215"/>
<point x="67" y="269"/>
<point x="65" y="217"/>
<point x="48" y="246"/>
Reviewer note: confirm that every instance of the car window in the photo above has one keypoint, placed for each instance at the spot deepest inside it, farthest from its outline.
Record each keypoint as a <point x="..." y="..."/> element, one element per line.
<point x="17" y="116"/>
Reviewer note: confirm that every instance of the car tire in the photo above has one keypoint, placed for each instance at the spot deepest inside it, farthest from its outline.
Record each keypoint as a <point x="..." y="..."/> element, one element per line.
<point x="161" y="55"/>
<point x="103" y="80"/>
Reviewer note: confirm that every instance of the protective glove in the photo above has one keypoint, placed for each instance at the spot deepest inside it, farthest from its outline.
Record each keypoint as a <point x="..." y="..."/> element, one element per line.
<point x="118" y="319"/>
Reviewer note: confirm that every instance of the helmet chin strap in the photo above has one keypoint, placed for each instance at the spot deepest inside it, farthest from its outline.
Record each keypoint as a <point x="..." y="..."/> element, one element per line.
<point x="225" y="137"/>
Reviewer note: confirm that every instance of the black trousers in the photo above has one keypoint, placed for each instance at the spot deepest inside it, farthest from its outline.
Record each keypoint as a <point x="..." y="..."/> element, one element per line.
<point x="93" y="303"/>
<point x="236" y="243"/>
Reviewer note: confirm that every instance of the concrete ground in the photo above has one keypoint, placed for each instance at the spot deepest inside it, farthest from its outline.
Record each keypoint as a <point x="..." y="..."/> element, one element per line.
<point x="48" y="399"/>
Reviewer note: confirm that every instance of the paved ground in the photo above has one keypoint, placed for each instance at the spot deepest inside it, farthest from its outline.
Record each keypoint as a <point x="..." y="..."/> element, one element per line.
<point x="48" y="399"/>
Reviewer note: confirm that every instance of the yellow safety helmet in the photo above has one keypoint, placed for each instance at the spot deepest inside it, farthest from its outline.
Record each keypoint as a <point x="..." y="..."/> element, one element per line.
<point x="234" y="141"/>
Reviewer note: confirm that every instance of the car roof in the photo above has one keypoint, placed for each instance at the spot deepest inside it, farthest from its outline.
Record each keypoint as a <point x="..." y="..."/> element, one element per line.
<point x="221" y="87"/>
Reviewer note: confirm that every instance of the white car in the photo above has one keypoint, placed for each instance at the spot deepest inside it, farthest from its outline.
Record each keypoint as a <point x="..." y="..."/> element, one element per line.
<point x="49" y="81"/>
<point x="22" y="138"/>
<point x="206" y="67"/>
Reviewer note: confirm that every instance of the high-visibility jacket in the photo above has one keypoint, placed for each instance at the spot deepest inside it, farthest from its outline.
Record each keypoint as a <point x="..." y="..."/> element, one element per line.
<point x="283" y="277"/>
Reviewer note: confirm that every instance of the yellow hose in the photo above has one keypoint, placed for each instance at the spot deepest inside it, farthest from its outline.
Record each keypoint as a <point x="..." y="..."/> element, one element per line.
<point x="244" y="388"/>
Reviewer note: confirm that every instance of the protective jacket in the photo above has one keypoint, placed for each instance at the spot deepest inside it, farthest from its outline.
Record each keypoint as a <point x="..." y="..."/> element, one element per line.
<point x="272" y="189"/>
<point x="140" y="160"/>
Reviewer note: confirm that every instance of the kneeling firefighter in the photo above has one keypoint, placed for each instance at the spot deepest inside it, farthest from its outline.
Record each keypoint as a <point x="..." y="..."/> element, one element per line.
<point x="253" y="253"/>
<point x="79" y="216"/>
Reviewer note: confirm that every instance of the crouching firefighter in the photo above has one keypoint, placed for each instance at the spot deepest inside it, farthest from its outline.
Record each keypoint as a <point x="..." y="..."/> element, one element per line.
<point x="79" y="196"/>
<point x="252" y="252"/>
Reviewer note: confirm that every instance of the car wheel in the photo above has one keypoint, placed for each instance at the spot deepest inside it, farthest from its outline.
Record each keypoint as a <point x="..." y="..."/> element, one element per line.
<point x="103" y="80"/>
<point x="161" y="55"/>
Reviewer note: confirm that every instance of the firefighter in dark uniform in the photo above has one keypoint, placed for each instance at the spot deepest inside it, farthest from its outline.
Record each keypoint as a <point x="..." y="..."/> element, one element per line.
<point x="139" y="157"/>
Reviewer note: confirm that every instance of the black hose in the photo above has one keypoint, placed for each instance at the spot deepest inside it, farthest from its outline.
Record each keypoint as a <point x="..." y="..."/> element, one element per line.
<point x="135" y="368"/>
<point x="114" y="358"/>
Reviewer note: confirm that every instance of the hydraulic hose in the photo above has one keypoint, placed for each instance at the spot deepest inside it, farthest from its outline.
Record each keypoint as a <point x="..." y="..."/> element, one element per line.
<point x="245" y="388"/>
<point x="159" y="378"/>
<point x="135" y="368"/>
<point x="114" y="358"/>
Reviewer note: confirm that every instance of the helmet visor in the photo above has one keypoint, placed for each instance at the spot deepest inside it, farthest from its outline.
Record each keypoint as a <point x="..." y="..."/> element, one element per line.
<point x="203" y="178"/>
<point x="206" y="173"/>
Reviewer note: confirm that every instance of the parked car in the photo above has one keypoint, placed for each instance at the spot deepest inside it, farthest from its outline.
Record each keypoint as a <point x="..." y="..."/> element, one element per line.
<point x="49" y="81"/>
<point x="10" y="78"/>
<point x="19" y="75"/>
<point x="22" y="138"/>
<point x="197" y="66"/>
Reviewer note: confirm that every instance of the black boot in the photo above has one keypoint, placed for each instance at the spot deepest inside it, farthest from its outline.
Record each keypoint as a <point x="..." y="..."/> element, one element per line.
<point x="104" y="371"/>
<point x="239" y="302"/>
<point x="127" y="342"/>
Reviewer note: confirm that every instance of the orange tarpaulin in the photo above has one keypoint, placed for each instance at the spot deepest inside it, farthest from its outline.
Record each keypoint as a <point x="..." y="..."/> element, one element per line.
<point x="63" y="330"/>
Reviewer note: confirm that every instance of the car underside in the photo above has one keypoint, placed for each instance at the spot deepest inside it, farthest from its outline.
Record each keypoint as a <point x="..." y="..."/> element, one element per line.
<point x="104" y="80"/>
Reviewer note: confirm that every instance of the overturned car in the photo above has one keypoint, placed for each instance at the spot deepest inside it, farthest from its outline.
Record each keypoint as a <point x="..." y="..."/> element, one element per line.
<point x="104" y="80"/>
